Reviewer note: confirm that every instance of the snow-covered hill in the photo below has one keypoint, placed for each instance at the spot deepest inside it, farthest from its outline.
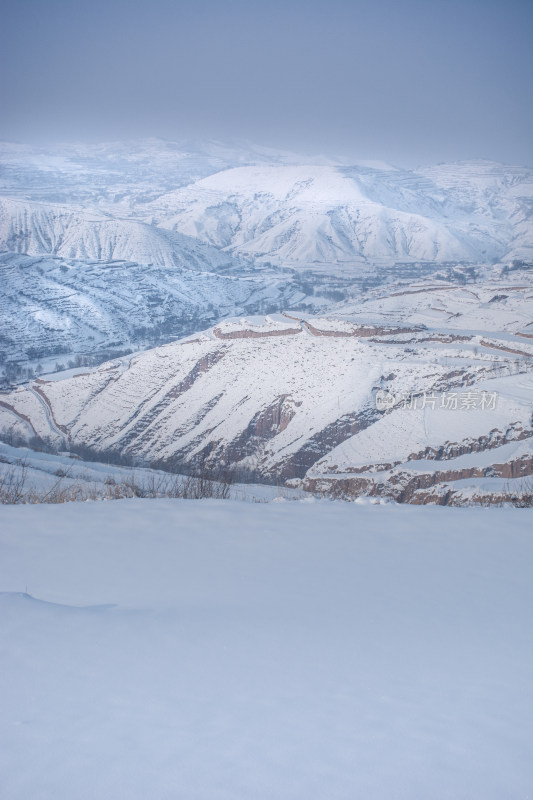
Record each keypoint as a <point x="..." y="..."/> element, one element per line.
<point x="232" y="209"/>
<point x="275" y="206"/>
<point x="294" y="398"/>
<point x="372" y="278"/>
<point x="120" y="175"/>
<point x="305" y="215"/>
<point x="58" y="309"/>
<point x="60" y="230"/>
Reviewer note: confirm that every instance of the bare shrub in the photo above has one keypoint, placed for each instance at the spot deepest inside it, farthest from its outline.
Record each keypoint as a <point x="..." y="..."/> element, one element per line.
<point x="14" y="488"/>
<point x="522" y="497"/>
<point x="187" y="487"/>
<point x="13" y="484"/>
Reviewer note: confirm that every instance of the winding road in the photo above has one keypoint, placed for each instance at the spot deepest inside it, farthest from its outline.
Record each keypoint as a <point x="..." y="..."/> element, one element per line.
<point x="56" y="429"/>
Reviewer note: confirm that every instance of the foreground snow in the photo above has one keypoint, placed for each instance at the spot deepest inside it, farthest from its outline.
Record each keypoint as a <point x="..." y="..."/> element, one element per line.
<point x="211" y="649"/>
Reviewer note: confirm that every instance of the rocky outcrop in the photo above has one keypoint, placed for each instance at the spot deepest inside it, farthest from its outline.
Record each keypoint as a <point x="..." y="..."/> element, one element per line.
<point x="203" y="365"/>
<point x="407" y="486"/>
<point x="404" y="487"/>
<point x="247" y="333"/>
<point x="273" y="419"/>
<point x="494" y="346"/>
<point x="249" y="446"/>
<point x="322" y="442"/>
<point x="494" y="439"/>
<point x="362" y="331"/>
<point x="264" y="425"/>
<point x="410" y="484"/>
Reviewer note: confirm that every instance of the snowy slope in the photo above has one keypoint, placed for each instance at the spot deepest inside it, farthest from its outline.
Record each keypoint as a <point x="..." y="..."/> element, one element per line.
<point x="231" y="208"/>
<point x="306" y="215"/>
<point x="294" y="397"/>
<point x="34" y="476"/>
<point x="281" y="207"/>
<point x="224" y="650"/>
<point x="60" y="230"/>
<point x="50" y="306"/>
<point x="114" y="247"/>
<point x="500" y="304"/>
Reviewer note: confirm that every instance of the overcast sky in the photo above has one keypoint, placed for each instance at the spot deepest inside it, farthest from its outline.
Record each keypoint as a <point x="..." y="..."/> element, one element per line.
<point x="408" y="81"/>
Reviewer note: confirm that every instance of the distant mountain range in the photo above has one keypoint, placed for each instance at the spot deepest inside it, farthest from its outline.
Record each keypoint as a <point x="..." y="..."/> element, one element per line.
<point x="260" y="204"/>
<point x="125" y="222"/>
<point x="306" y="215"/>
<point x="297" y="290"/>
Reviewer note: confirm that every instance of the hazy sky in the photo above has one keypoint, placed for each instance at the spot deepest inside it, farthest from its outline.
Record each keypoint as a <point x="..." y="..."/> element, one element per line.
<point x="409" y="81"/>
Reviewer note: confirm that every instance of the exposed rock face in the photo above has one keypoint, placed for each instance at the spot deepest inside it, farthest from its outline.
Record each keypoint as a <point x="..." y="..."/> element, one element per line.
<point x="269" y="423"/>
<point x="275" y="418"/>
<point x="203" y="365"/>
<point x="251" y="334"/>
<point x="297" y="465"/>
<point x="514" y="469"/>
<point x="504" y="349"/>
<point x="264" y="426"/>
<point x="406" y="486"/>
<point x="451" y="450"/>
<point x="361" y="331"/>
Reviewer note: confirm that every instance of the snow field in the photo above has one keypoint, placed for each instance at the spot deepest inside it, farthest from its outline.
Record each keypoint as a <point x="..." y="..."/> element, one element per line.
<point x="209" y="649"/>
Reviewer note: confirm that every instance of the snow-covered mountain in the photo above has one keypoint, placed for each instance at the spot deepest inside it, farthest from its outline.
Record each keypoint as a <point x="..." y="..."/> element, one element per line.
<point x="61" y="230"/>
<point x="105" y="211"/>
<point x="305" y="215"/>
<point x="294" y="398"/>
<point x="123" y="174"/>
<point x="372" y="279"/>
<point x="269" y="206"/>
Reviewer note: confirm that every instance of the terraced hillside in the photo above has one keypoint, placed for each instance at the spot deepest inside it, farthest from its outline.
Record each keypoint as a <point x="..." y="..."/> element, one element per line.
<point x="420" y="395"/>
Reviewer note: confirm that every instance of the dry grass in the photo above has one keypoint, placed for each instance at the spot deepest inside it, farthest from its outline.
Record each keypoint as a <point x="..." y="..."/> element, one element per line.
<point x="15" y="488"/>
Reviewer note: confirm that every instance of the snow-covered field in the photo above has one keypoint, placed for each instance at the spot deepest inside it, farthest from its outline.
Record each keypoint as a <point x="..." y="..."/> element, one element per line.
<point x="209" y="650"/>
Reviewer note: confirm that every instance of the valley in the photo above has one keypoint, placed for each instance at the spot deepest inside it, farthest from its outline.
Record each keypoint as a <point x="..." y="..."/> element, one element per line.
<point x="252" y="310"/>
